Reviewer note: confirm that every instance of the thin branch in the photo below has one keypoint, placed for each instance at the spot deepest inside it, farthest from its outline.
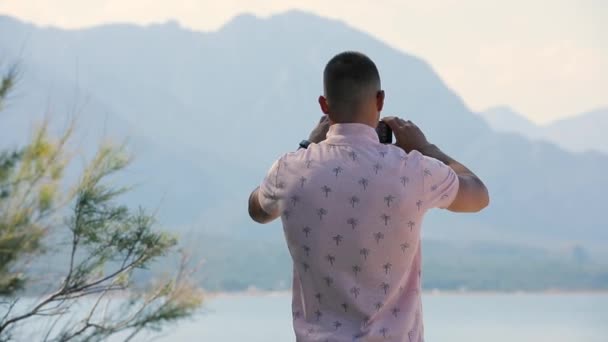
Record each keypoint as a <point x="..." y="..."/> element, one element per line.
<point x="56" y="313"/>
<point x="51" y="328"/>
<point x="75" y="241"/>
<point x="10" y="308"/>
<point x="87" y="320"/>
<point x="31" y="313"/>
<point x="111" y="275"/>
<point x="89" y="292"/>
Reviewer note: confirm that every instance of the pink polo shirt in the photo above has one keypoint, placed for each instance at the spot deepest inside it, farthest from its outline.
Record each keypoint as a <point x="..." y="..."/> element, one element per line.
<point x="352" y="210"/>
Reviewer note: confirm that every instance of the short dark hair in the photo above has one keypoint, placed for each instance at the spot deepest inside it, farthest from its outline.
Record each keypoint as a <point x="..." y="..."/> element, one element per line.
<point x="347" y="78"/>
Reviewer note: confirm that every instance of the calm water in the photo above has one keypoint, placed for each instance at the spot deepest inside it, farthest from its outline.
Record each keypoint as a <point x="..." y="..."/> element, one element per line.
<point x="453" y="317"/>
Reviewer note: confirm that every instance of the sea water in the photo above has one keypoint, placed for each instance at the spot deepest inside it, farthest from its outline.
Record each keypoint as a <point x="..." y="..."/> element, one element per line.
<point x="447" y="317"/>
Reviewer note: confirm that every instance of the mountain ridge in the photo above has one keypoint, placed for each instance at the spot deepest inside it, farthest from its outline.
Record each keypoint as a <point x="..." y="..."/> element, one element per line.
<point x="576" y="133"/>
<point x="207" y="96"/>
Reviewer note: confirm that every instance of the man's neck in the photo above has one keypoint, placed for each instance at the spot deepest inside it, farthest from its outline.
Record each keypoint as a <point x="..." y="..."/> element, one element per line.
<point x="365" y="120"/>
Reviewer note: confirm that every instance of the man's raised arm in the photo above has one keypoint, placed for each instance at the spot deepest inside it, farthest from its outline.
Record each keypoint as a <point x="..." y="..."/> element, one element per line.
<point x="472" y="195"/>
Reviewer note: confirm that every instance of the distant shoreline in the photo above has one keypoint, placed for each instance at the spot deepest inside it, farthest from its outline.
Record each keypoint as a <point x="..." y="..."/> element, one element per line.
<point x="265" y="293"/>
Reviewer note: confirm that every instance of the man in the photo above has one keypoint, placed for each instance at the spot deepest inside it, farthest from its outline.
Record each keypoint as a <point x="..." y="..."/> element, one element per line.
<point x="352" y="210"/>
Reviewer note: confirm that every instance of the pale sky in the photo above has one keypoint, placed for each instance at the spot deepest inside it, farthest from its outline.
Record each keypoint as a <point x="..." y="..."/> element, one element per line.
<point x="548" y="59"/>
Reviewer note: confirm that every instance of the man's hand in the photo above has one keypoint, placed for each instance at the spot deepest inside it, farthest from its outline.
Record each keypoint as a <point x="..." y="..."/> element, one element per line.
<point x="320" y="132"/>
<point x="409" y="137"/>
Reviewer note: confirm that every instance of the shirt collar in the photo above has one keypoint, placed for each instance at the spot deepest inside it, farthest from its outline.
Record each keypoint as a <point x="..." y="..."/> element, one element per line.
<point x="351" y="132"/>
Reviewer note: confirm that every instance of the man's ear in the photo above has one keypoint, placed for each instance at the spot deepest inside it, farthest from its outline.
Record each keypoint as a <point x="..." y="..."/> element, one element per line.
<point x="323" y="104"/>
<point x="380" y="100"/>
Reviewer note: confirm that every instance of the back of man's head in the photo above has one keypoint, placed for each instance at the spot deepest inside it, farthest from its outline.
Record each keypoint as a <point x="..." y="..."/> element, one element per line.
<point x="351" y="80"/>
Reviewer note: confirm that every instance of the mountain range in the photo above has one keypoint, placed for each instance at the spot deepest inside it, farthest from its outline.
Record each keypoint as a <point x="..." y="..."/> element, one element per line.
<point x="206" y="114"/>
<point x="579" y="133"/>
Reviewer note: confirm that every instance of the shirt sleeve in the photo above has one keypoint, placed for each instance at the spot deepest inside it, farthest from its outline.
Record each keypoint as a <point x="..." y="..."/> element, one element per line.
<point x="271" y="189"/>
<point x="440" y="183"/>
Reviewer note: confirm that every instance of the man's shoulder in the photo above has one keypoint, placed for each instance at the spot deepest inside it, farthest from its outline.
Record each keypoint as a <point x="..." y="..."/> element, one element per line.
<point x="413" y="157"/>
<point x="284" y="160"/>
<point x="293" y="155"/>
<point x="395" y="150"/>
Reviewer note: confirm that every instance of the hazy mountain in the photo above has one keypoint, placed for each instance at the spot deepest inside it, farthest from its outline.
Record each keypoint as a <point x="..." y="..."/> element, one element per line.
<point x="505" y="119"/>
<point x="583" y="132"/>
<point x="579" y="133"/>
<point x="208" y="112"/>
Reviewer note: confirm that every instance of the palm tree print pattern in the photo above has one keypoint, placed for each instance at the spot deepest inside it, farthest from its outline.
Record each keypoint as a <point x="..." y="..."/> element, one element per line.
<point x="338" y="238"/>
<point x="366" y="321"/>
<point x="355" y="291"/>
<point x="331" y="259"/>
<point x="389" y="199"/>
<point x="387" y="267"/>
<point x="377" y="167"/>
<point x="364" y="252"/>
<point x="337" y="325"/>
<point x="326" y="190"/>
<point x="337" y="170"/>
<point x="353" y="222"/>
<point x="385" y="286"/>
<point x="356" y="269"/>
<point x="378" y="236"/>
<point x="383" y="331"/>
<point x="321" y="212"/>
<point x="294" y="200"/>
<point x="364" y="182"/>
<point x="306" y="230"/>
<point x="385" y="218"/>
<point x="348" y="188"/>
<point x="318" y="295"/>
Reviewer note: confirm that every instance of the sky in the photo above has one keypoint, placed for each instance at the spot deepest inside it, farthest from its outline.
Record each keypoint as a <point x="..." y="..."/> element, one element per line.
<point x="547" y="59"/>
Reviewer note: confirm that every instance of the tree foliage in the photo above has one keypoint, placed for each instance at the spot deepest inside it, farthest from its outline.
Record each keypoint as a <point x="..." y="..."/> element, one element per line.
<point x="107" y="243"/>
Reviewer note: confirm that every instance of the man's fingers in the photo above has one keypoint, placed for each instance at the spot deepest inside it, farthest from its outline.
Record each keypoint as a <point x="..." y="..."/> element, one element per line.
<point x="392" y="122"/>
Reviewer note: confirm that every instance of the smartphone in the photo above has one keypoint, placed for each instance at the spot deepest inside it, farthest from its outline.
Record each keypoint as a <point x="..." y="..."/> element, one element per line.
<point x="385" y="134"/>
